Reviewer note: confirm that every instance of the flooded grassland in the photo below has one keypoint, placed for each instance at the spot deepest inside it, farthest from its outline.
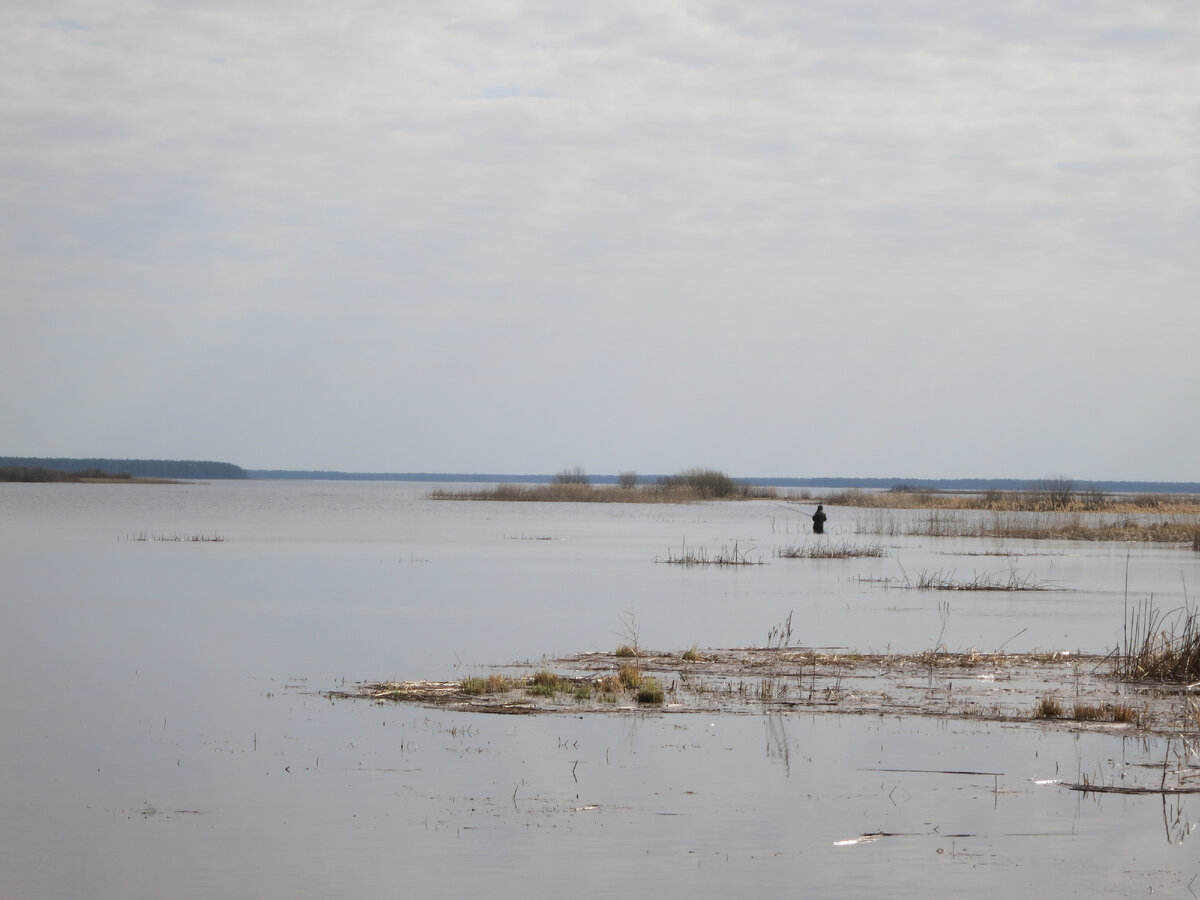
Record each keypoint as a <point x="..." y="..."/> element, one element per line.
<point x="282" y="689"/>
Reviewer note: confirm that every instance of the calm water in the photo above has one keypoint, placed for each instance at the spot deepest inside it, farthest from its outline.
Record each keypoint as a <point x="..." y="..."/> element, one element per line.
<point x="164" y="733"/>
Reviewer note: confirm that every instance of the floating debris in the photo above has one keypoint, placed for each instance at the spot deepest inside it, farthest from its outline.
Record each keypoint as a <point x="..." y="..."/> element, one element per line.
<point x="1004" y="687"/>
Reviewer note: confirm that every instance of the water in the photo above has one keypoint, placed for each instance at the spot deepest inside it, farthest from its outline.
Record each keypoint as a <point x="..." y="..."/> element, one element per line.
<point x="165" y="734"/>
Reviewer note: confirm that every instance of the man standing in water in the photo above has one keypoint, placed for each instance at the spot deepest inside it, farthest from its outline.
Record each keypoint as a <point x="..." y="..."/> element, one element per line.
<point x="819" y="520"/>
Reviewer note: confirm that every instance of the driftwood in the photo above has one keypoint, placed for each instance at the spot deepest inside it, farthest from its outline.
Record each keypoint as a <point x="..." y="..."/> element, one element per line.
<point x="1123" y="789"/>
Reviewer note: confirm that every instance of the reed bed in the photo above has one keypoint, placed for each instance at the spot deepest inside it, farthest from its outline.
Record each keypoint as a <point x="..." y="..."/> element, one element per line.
<point x="1035" y="526"/>
<point x="1059" y="688"/>
<point x="493" y="684"/>
<point x="1050" y="707"/>
<point x="1018" y="501"/>
<point x="940" y="580"/>
<point x="1120" y="713"/>
<point x="832" y="550"/>
<point x="586" y="493"/>
<point x="574" y="487"/>
<point x="177" y="538"/>
<point x="1047" y="708"/>
<point x="1066" y="514"/>
<point x="1161" y="645"/>
<point x="698" y="556"/>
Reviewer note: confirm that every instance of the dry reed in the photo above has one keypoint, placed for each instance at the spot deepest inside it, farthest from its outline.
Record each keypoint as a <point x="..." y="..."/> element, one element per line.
<point x="1018" y="501"/>
<point x="1035" y="526"/>
<point x="686" y="488"/>
<point x="698" y="556"/>
<point x="1048" y="708"/>
<point x="1161" y="645"/>
<point x="831" y="550"/>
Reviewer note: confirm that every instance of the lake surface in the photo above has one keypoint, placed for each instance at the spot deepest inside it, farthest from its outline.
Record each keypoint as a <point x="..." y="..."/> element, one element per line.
<point x="164" y="732"/>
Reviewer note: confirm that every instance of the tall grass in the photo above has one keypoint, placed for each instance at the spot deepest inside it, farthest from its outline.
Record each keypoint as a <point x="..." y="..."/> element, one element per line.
<point x="572" y="486"/>
<point x="1033" y="526"/>
<point x="985" y="581"/>
<point x="650" y="690"/>
<point x="545" y="683"/>
<point x="698" y="556"/>
<point x="178" y="538"/>
<point x="831" y="550"/>
<point x="493" y="684"/>
<point x="1034" y="500"/>
<point x="1161" y="645"/>
<point x="1048" y="708"/>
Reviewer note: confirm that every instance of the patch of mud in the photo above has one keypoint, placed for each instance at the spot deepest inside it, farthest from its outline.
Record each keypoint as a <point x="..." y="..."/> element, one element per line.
<point x="970" y="686"/>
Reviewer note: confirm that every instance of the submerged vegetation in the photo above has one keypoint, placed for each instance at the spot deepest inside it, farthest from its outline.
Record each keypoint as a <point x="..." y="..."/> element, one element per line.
<point x="1123" y="689"/>
<point x="782" y="678"/>
<point x="979" y="581"/>
<point x="178" y="538"/>
<point x="832" y="550"/>
<point x="505" y="693"/>
<point x="698" y="556"/>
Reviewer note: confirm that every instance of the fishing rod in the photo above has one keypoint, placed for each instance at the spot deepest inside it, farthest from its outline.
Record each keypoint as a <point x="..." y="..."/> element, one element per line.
<point x="798" y="509"/>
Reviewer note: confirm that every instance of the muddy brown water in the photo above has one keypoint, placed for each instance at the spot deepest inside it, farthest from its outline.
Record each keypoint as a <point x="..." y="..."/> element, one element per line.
<point x="169" y="730"/>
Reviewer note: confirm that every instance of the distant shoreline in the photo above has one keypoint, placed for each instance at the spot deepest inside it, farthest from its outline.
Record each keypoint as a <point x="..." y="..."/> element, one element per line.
<point x="952" y="485"/>
<point x="41" y="475"/>
<point x="160" y="471"/>
<point x="146" y="471"/>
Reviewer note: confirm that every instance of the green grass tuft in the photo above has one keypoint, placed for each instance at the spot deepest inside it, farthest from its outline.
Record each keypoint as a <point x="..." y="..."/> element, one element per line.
<point x="650" y="691"/>
<point x="473" y="685"/>
<point x="831" y="550"/>
<point x="493" y="684"/>
<point x="545" y="683"/>
<point x="629" y="676"/>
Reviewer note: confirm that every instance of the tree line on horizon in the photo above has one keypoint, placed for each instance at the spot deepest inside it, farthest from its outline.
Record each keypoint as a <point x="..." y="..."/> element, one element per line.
<point x="208" y="469"/>
<point x="133" y="468"/>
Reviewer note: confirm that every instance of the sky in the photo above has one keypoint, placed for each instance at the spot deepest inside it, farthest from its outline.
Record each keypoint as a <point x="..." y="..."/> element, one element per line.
<point x="847" y="238"/>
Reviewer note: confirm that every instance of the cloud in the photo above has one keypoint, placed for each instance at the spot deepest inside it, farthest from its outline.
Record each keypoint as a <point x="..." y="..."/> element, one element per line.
<point x="463" y="210"/>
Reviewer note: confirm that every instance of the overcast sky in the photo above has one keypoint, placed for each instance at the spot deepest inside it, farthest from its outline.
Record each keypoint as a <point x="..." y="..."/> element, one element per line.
<point x="839" y="237"/>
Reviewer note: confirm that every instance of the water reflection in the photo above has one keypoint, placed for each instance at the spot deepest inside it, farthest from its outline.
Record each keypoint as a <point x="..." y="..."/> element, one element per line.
<point x="1175" y="820"/>
<point x="163" y="718"/>
<point x="778" y="748"/>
